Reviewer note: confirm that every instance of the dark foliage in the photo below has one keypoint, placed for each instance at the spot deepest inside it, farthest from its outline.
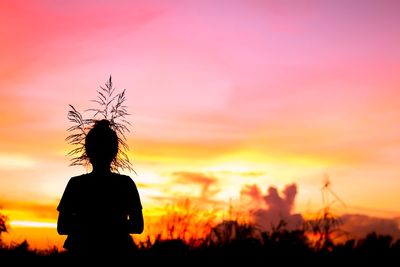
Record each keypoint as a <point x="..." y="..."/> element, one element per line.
<point x="279" y="245"/>
<point x="3" y="226"/>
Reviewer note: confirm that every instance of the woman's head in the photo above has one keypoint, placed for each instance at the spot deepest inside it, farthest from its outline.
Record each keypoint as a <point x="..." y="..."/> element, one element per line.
<point x="101" y="143"/>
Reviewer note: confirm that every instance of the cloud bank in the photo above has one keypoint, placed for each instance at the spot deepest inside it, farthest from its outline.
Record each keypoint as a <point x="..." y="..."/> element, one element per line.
<point x="273" y="207"/>
<point x="268" y="209"/>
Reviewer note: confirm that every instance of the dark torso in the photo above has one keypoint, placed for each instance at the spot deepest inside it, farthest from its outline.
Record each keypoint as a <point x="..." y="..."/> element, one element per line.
<point x="100" y="205"/>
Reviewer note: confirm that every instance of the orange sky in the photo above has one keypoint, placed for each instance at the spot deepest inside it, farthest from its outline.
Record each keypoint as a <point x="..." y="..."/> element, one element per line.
<point x="222" y="96"/>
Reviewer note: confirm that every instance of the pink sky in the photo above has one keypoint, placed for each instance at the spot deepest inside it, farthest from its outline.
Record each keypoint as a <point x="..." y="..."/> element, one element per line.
<point x="288" y="90"/>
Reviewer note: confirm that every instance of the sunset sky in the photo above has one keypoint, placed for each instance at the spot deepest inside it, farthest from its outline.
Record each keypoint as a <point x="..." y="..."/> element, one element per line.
<point x="227" y="99"/>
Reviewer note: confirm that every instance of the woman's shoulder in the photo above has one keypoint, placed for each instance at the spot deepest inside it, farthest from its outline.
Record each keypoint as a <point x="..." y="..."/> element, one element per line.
<point x="78" y="178"/>
<point x="81" y="176"/>
<point x="126" y="179"/>
<point x="121" y="176"/>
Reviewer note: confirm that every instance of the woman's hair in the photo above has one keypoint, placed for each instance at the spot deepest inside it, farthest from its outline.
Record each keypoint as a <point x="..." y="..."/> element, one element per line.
<point x="101" y="143"/>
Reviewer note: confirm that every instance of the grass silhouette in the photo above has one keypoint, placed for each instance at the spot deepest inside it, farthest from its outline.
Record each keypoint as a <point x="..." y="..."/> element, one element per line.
<point x="232" y="240"/>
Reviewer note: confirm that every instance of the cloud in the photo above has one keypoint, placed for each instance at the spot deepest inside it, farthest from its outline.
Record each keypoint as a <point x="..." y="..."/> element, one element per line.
<point x="281" y="205"/>
<point x="206" y="182"/>
<point x="358" y="226"/>
<point x="254" y="192"/>
<point x="48" y="35"/>
<point x="267" y="210"/>
<point x="273" y="207"/>
<point x="16" y="161"/>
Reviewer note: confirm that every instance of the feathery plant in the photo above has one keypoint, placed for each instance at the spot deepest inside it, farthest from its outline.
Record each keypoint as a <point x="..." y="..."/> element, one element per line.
<point x="110" y="107"/>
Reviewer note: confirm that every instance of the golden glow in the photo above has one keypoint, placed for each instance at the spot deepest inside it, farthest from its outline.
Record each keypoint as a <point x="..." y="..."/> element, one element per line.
<point x="33" y="224"/>
<point x="10" y="161"/>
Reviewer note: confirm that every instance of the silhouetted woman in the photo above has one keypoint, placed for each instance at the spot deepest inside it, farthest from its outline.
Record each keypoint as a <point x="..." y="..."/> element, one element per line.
<point x="99" y="210"/>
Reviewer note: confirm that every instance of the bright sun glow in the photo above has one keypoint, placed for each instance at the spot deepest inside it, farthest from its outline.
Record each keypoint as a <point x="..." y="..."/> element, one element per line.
<point x="33" y="224"/>
<point x="15" y="161"/>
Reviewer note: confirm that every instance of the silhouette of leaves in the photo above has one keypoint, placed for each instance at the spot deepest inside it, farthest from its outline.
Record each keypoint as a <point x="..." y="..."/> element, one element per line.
<point x="110" y="107"/>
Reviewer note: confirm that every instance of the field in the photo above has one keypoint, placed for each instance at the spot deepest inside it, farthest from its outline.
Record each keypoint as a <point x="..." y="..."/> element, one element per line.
<point x="233" y="242"/>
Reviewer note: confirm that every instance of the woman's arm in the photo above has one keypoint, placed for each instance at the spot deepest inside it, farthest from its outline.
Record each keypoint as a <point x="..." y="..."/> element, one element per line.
<point x="65" y="223"/>
<point x="135" y="222"/>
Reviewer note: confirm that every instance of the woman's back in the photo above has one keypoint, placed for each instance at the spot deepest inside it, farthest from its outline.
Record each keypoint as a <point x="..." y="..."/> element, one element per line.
<point x="100" y="205"/>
